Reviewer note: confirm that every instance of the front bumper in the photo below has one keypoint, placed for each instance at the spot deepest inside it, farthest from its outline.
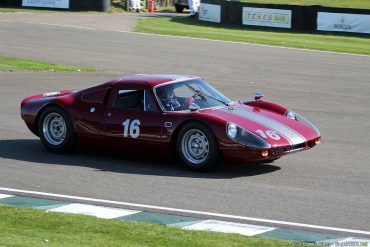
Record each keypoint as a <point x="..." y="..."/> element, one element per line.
<point x="244" y="154"/>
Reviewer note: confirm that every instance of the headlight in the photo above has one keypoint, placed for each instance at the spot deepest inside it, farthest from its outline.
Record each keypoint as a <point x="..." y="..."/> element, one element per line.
<point x="245" y="137"/>
<point x="291" y="115"/>
<point x="297" y="117"/>
<point x="308" y="123"/>
<point x="232" y="130"/>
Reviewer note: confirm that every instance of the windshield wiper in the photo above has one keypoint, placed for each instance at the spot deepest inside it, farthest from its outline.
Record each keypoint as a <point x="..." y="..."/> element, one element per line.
<point x="221" y="101"/>
<point x="197" y="92"/>
<point x="203" y="96"/>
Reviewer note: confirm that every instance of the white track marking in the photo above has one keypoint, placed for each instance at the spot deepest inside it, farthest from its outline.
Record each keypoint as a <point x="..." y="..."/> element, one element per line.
<point x="229" y="227"/>
<point x="202" y="213"/>
<point x="191" y="38"/>
<point x="97" y="211"/>
<point x="3" y="196"/>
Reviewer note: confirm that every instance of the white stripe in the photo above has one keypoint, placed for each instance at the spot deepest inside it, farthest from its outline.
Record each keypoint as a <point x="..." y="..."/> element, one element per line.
<point x="229" y="216"/>
<point x="97" y="211"/>
<point x="3" y="196"/>
<point x="292" y="136"/>
<point x="229" y="227"/>
<point x="191" y="38"/>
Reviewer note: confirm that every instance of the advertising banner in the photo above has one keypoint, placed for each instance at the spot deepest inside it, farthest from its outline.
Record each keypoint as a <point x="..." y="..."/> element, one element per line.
<point x="210" y="12"/>
<point x="61" y="4"/>
<point x="342" y="22"/>
<point x="267" y="17"/>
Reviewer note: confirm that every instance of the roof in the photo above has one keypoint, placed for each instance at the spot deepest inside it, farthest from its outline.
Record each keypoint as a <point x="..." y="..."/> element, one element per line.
<point x="152" y="79"/>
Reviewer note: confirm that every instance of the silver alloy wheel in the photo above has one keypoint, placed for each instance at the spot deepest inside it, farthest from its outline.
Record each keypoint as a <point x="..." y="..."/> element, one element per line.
<point x="54" y="128"/>
<point x="195" y="146"/>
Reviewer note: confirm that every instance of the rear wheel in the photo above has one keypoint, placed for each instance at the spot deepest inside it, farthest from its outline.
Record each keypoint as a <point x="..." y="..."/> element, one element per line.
<point x="56" y="130"/>
<point x="197" y="147"/>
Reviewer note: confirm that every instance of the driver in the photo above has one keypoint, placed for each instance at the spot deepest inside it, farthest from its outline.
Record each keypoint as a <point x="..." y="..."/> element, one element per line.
<point x="169" y="99"/>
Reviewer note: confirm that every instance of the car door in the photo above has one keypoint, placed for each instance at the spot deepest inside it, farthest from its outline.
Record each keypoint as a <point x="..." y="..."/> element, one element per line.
<point x="132" y="120"/>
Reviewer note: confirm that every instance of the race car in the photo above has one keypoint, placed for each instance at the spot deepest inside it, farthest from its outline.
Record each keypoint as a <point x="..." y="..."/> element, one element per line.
<point x="168" y="115"/>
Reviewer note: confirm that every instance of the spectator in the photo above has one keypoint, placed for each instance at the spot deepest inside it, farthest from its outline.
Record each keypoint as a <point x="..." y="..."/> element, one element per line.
<point x="194" y="7"/>
<point x="135" y="5"/>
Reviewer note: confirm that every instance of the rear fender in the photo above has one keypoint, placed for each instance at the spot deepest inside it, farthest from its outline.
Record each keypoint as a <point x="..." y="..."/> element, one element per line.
<point x="47" y="95"/>
<point x="33" y="106"/>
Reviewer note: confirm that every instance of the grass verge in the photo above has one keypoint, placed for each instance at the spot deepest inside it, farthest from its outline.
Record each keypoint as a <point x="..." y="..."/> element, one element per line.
<point x="182" y="26"/>
<point x="16" y="64"/>
<point x="22" y="226"/>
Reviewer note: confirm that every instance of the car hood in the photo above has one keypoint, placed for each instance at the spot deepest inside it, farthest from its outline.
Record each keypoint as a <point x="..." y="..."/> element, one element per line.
<point x="276" y="129"/>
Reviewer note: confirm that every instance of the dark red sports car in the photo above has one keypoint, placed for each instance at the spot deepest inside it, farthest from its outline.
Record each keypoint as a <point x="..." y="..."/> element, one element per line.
<point x="165" y="114"/>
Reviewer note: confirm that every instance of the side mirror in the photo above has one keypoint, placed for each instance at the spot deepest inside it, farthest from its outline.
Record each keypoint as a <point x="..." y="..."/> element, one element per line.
<point x="193" y="107"/>
<point x="258" y="96"/>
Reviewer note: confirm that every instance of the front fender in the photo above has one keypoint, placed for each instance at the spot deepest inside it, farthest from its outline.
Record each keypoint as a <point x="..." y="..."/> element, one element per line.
<point x="268" y="106"/>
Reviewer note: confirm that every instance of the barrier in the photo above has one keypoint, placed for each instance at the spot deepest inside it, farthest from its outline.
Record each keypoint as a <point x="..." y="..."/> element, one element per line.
<point x="210" y="10"/>
<point x="91" y="5"/>
<point x="343" y="20"/>
<point x="292" y="17"/>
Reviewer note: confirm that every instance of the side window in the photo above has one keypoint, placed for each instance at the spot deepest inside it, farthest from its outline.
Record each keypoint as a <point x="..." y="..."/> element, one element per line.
<point x="135" y="100"/>
<point x="130" y="99"/>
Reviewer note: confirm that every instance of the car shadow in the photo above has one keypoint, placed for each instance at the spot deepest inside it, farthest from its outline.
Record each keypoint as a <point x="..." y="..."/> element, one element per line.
<point x="32" y="150"/>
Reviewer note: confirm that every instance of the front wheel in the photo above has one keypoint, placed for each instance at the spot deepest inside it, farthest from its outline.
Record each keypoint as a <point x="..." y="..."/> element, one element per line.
<point x="197" y="147"/>
<point x="56" y="130"/>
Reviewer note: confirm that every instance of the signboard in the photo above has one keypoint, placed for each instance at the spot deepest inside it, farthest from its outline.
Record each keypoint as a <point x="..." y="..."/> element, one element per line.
<point x="267" y="17"/>
<point x="61" y="4"/>
<point x="342" y="22"/>
<point x="210" y="12"/>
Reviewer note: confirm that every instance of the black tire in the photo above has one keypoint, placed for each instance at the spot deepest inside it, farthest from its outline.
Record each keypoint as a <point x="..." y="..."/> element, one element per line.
<point x="201" y="133"/>
<point x="64" y="144"/>
<point x="179" y="8"/>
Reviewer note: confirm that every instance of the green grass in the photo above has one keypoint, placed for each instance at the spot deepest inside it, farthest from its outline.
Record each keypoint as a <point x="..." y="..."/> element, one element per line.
<point x="16" y="64"/>
<point x="361" y="4"/>
<point x="22" y="226"/>
<point x="179" y="26"/>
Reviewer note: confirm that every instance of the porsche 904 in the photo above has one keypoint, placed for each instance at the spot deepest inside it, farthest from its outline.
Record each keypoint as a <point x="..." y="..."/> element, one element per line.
<point x="166" y="114"/>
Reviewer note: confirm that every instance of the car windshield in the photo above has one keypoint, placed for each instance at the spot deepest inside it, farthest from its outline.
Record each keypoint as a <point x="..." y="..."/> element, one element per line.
<point x="179" y="96"/>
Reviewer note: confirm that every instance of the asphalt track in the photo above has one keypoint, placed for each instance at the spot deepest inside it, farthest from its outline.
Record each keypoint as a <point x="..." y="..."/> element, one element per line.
<point x="328" y="185"/>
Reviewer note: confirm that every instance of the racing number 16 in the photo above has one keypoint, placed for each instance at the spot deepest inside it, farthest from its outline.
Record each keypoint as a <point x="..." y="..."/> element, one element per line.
<point x="269" y="133"/>
<point x="133" y="129"/>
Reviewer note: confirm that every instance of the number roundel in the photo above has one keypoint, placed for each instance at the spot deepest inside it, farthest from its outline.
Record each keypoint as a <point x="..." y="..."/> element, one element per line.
<point x="269" y="133"/>
<point x="273" y="135"/>
<point x="132" y="129"/>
